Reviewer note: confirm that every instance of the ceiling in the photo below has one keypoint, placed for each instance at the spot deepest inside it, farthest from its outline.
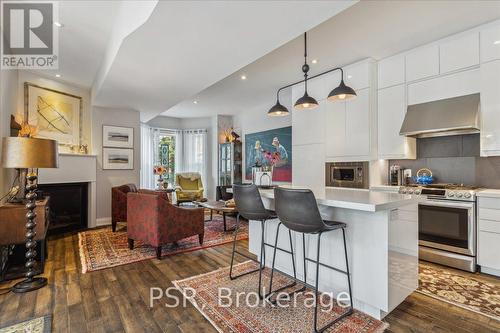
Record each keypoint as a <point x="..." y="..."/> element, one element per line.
<point x="186" y="46"/>
<point x="83" y="39"/>
<point x="373" y="29"/>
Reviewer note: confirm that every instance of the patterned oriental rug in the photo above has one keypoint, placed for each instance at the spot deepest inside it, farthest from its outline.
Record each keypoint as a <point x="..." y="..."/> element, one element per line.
<point x="254" y="316"/>
<point x="101" y="248"/>
<point x="37" y="325"/>
<point x="465" y="292"/>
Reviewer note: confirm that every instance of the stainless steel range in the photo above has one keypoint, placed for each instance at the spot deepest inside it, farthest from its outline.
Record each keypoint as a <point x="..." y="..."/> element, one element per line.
<point x="447" y="224"/>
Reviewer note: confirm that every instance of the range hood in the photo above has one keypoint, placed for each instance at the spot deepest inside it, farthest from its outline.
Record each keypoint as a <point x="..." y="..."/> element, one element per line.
<point x="451" y="116"/>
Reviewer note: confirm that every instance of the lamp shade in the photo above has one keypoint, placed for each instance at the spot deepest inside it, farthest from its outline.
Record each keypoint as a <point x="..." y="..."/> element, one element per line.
<point x="23" y="153"/>
<point x="306" y="102"/>
<point x="342" y="92"/>
<point x="278" y="110"/>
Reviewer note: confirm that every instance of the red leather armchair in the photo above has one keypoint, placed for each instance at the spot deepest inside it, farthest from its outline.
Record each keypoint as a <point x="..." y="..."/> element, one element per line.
<point x="119" y="203"/>
<point x="152" y="219"/>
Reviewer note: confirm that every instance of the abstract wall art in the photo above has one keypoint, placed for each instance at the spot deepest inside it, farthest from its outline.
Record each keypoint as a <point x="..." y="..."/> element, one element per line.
<point x="117" y="159"/>
<point x="117" y="136"/>
<point x="55" y="114"/>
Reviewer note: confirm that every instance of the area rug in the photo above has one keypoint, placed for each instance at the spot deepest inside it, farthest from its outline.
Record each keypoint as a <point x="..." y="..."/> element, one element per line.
<point x="465" y="292"/>
<point x="37" y="325"/>
<point x="101" y="248"/>
<point x="224" y="314"/>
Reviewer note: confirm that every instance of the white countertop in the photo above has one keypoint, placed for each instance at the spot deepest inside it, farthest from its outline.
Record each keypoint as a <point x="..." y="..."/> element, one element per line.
<point x="489" y="193"/>
<point x="364" y="200"/>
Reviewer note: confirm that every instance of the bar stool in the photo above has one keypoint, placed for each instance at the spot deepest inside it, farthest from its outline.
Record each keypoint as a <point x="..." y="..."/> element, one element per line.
<point x="250" y="206"/>
<point x="297" y="209"/>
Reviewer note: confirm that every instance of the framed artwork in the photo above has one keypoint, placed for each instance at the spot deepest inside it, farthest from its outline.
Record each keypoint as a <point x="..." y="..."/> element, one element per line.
<point x="116" y="136"/>
<point x="117" y="159"/>
<point x="57" y="115"/>
<point x="270" y="149"/>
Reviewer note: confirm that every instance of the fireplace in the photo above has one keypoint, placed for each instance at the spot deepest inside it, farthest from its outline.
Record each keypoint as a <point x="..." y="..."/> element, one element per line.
<point x="68" y="206"/>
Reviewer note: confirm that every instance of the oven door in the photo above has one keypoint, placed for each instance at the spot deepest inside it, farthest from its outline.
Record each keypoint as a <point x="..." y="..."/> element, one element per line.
<point x="448" y="225"/>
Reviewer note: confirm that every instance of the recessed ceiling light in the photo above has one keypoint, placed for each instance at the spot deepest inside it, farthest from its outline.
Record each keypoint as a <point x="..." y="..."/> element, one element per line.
<point x="314" y="61"/>
<point x="496" y="42"/>
<point x="58" y="24"/>
<point x="349" y="76"/>
<point x="195" y="102"/>
<point x="58" y="75"/>
<point x="243" y="77"/>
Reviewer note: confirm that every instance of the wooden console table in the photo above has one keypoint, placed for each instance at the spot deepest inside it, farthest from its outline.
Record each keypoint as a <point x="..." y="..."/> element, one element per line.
<point x="13" y="234"/>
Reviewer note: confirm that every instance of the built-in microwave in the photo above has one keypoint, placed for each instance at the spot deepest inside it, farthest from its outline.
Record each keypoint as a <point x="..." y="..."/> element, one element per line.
<point x="347" y="174"/>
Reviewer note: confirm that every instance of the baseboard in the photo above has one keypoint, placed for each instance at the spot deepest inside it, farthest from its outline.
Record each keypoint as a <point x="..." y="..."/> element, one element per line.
<point x="103" y="221"/>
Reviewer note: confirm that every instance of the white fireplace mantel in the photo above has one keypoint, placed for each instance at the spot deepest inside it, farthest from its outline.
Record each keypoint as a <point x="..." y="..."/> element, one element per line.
<point x="75" y="168"/>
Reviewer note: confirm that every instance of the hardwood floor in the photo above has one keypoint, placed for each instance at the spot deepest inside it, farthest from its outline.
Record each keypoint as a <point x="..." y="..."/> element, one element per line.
<point x="117" y="299"/>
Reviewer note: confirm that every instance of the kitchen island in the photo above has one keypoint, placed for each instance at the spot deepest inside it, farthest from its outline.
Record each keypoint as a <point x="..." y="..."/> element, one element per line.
<point x="382" y="246"/>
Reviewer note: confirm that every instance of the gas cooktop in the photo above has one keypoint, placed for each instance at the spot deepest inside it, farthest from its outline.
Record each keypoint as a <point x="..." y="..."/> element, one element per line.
<point x="443" y="191"/>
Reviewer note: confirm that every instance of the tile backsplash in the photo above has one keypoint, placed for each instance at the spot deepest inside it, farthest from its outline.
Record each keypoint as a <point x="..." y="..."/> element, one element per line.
<point x="455" y="159"/>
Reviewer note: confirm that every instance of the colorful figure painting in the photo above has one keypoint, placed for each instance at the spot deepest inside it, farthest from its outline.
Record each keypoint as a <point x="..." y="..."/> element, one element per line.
<point x="270" y="149"/>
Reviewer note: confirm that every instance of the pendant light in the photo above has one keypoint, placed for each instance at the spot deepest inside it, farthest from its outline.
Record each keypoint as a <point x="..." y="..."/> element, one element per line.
<point x="342" y="92"/>
<point x="306" y="101"/>
<point x="278" y="110"/>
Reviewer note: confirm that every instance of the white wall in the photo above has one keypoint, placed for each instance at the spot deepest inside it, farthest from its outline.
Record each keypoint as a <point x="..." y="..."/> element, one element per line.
<point x="8" y="105"/>
<point x="106" y="179"/>
<point x="257" y="120"/>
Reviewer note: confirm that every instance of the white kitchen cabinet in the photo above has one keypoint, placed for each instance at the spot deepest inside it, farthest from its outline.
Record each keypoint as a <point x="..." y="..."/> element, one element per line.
<point x="422" y="62"/>
<point x="335" y="128"/>
<point x="391" y="71"/>
<point x="459" y="52"/>
<point x="358" y="75"/>
<point x="357" y="117"/>
<point x="309" y="167"/>
<point x="490" y="42"/>
<point x="391" y="113"/>
<point x="488" y="240"/>
<point x="348" y="129"/>
<point x="445" y="86"/>
<point x="308" y="125"/>
<point x="490" y="108"/>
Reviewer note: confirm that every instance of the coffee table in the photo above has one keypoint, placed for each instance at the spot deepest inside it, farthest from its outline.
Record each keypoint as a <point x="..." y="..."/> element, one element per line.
<point x="217" y="206"/>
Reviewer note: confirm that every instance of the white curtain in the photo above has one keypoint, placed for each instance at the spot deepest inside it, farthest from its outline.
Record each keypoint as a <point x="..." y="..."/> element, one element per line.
<point x="147" y="157"/>
<point x="195" y="151"/>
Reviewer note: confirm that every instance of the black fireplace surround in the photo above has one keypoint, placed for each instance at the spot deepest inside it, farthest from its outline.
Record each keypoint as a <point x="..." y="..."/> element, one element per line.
<point x="68" y="206"/>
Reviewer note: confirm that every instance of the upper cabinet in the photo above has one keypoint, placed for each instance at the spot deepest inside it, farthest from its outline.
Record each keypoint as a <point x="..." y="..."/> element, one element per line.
<point x="490" y="42"/>
<point x="391" y="71"/>
<point x="460" y="52"/>
<point x="307" y="125"/>
<point x="422" y="63"/>
<point x="358" y="76"/>
<point x="391" y="112"/>
<point x="490" y="108"/>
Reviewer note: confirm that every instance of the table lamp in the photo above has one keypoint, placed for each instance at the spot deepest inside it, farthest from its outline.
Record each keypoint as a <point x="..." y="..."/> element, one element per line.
<point x="29" y="153"/>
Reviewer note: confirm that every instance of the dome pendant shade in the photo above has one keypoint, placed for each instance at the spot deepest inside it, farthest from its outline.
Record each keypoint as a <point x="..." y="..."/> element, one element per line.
<point x="278" y="110"/>
<point x="306" y="102"/>
<point x="341" y="93"/>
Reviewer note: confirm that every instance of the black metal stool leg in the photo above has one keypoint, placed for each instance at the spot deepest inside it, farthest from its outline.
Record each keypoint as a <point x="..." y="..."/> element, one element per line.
<point x="241" y="254"/>
<point x="271" y="291"/>
<point x="262" y="257"/>
<point x="348" y="312"/>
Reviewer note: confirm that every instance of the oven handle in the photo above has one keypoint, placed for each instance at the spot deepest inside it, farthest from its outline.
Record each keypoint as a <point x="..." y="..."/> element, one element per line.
<point x="443" y="203"/>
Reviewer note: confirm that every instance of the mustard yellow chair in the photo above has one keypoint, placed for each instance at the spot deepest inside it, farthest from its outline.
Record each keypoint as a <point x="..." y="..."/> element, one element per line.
<point x="188" y="187"/>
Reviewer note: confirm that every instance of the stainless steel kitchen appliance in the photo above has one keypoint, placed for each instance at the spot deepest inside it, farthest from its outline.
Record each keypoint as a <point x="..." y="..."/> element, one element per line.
<point x="347" y="174"/>
<point x="447" y="224"/>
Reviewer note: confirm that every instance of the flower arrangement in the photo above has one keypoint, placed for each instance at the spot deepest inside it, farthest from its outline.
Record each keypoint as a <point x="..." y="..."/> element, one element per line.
<point x="160" y="170"/>
<point x="272" y="158"/>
